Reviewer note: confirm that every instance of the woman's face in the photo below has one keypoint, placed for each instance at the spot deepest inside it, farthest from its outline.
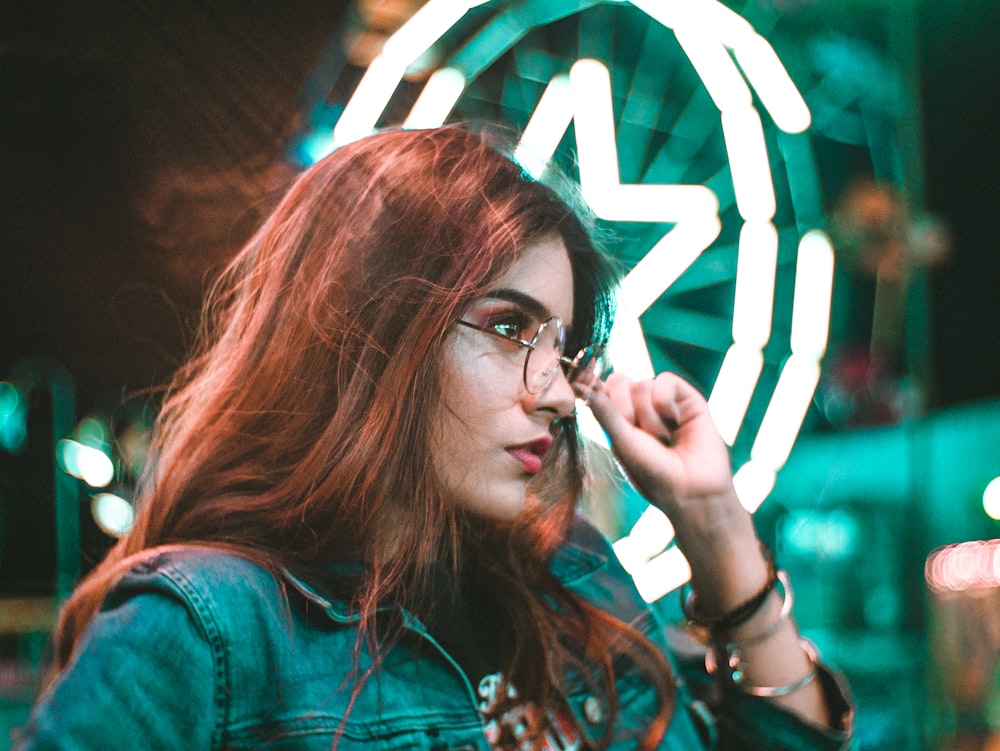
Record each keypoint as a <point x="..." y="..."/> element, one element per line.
<point x="492" y="433"/>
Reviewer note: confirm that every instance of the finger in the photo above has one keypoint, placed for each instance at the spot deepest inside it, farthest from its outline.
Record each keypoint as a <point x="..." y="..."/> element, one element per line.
<point x="654" y="414"/>
<point x="619" y="389"/>
<point x="612" y="407"/>
<point x="677" y="401"/>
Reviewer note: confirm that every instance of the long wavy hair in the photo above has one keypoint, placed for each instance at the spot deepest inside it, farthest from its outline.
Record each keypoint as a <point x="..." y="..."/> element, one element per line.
<point x="297" y="433"/>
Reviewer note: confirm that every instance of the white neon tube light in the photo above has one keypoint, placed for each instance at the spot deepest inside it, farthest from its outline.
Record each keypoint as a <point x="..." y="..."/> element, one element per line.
<point x="546" y="128"/>
<point x="437" y="99"/>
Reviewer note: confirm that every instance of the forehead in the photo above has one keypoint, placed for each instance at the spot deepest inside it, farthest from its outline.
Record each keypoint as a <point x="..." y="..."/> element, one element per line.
<point x="544" y="274"/>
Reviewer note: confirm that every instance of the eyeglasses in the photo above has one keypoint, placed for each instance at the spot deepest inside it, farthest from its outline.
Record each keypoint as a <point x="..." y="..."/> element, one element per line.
<point x="544" y="356"/>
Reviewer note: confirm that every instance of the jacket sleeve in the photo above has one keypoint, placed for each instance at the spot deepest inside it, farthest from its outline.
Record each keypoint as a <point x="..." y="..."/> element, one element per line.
<point x="142" y="677"/>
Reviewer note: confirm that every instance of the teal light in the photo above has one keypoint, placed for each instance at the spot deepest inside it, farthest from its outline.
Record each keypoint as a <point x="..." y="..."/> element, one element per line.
<point x="86" y="463"/>
<point x="13" y="418"/>
<point x="314" y="147"/>
<point x="94" y="432"/>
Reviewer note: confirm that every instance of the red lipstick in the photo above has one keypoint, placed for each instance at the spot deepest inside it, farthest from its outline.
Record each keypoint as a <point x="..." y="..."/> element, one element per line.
<point x="530" y="454"/>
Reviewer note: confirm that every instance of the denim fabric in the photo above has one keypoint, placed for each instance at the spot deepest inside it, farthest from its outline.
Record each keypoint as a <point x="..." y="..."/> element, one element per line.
<point x="202" y="650"/>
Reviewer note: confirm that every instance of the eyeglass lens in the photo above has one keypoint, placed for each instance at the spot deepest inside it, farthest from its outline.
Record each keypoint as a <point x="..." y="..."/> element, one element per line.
<point x="546" y="357"/>
<point x="542" y="359"/>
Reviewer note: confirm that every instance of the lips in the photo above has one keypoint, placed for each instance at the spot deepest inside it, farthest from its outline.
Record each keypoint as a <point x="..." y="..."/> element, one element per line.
<point x="530" y="454"/>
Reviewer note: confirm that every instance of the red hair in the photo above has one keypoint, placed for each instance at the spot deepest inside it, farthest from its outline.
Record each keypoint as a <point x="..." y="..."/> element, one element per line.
<point x="317" y="371"/>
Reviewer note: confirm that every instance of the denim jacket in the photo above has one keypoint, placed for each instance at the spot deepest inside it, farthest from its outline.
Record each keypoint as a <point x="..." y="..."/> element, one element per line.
<point x="198" y="649"/>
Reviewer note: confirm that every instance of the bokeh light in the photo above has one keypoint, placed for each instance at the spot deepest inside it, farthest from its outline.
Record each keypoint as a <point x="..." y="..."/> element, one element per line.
<point x="86" y="463"/>
<point x="991" y="499"/>
<point x="13" y="418"/>
<point x="112" y="513"/>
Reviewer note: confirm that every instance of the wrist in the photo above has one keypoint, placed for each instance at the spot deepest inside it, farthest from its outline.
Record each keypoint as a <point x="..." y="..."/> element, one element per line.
<point x="723" y="617"/>
<point x="727" y="570"/>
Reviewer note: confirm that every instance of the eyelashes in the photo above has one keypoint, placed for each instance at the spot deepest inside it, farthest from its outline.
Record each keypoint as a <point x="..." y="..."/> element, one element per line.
<point x="512" y="323"/>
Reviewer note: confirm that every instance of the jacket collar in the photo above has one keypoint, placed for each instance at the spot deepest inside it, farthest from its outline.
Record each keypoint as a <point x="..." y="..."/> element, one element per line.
<point x="584" y="552"/>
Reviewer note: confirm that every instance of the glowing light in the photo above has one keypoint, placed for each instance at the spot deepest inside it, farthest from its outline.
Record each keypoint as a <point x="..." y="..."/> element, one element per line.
<point x="991" y="498"/>
<point x="748" y="162"/>
<point x="754" y="300"/>
<point x="402" y="49"/>
<point x="753" y="482"/>
<point x="437" y="99"/>
<point x="670" y="257"/>
<point x="315" y="146"/>
<point x="13" y="418"/>
<point x="785" y="412"/>
<point x="772" y="83"/>
<point x="743" y="363"/>
<point x="662" y="574"/>
<point x="705" y="14"/>
<point x="826" y="534"/>
<point x="645" y="541"/>
<point x="85" y="463"/>
<point x="589" y="427"/>
<point x="813" y="290"/>
<point x="759" y="62"/>
<point x="424" y="28"/>
<point x="369" y="100"/>
<point x="800" y="374"/>
<point x="627" y="348"/>
<point x="112" y="513"/>
<point x="734" y="386"/>
<point x="93" y="431"/>
<point x="10" y="399"/>
<point x="962" y="566"/>
<point x="546" y="128"/>
<point x="590" y="84"/>
<point x="715" y="68"/>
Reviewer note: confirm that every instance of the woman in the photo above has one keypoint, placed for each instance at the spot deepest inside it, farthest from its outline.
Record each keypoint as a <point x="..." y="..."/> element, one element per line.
<point x="360" y="529"/>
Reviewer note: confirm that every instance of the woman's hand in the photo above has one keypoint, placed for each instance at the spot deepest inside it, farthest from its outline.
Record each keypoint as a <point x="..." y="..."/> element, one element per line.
<point x="664" y="437"/>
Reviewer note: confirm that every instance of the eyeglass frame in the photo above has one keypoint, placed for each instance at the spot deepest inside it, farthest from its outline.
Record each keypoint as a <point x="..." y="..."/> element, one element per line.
<point x="596" y="352"/>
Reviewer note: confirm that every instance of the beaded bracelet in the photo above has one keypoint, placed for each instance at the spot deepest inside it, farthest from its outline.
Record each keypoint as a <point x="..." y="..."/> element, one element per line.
<point x="739" y="614"/>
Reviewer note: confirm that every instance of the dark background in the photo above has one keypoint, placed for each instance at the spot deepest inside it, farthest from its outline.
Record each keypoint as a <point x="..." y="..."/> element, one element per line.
<point x="960" y="92"/>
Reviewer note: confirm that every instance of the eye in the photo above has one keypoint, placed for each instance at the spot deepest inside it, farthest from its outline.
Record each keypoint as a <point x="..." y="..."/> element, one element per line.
<point x="513" y="324"/>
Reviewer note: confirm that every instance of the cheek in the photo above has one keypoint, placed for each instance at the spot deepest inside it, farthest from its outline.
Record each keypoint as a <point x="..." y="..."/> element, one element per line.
<point x="473" y="411"/>
<point x="459" y="417"/>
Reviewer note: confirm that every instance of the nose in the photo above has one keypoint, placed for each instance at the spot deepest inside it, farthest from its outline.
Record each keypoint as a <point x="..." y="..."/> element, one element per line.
<point x="557" y="399"/>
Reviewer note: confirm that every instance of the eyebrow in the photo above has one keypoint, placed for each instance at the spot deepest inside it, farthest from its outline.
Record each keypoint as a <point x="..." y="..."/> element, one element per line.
<point x="530" y="304"/>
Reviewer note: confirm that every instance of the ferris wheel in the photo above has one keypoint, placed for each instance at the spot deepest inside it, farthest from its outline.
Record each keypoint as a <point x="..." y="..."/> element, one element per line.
<point x="690" y="143"/>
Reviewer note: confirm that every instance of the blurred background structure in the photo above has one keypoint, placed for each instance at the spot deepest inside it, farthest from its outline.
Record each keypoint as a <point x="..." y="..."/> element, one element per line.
<point x="141" y="143"/>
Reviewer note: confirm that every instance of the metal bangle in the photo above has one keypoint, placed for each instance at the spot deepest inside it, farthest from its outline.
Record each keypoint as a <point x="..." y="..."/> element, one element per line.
<point x="737" y="676"/>
<point x="772" y="691"/>
<point x="788" y="599"/>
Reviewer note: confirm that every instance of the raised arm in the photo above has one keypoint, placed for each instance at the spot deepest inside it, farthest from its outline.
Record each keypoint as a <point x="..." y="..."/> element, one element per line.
<point x="663" y="435"/>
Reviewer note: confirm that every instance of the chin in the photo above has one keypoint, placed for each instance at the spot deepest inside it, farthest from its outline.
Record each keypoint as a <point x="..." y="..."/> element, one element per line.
<point x="502" y="512"/>
<point x="502" y="507"/>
